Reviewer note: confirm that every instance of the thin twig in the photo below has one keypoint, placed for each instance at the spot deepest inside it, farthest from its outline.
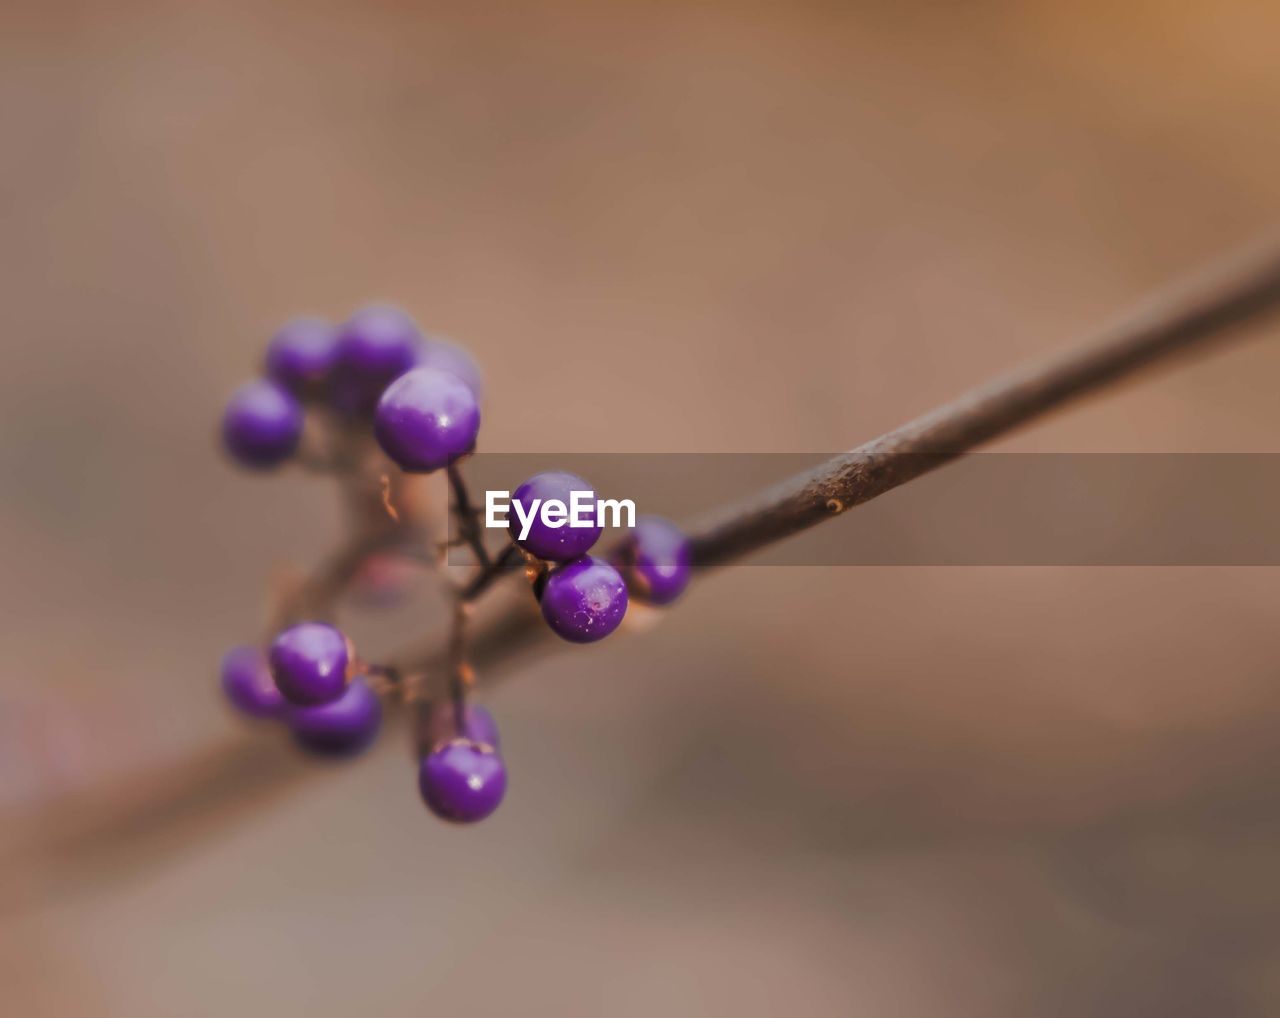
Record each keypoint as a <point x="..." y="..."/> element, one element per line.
<point x="316" y="596"/>
<point x="507" y="559"/>
<point x="379" y="519"/>
<point x="1194" y="316"/>
<point x="466" y="515"/>
<point x="461" y="675"/>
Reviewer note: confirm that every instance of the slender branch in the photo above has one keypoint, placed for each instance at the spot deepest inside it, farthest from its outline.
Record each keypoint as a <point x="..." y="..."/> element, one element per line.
<point x="461" y="675"/>
<point x="466" y="513"/>
<point x="507" y="559"/>
<point x="381" y="516"/>
<point x="314" y="597"/>
<point x="1194" y="316"/>
<point x="372" y="529"/>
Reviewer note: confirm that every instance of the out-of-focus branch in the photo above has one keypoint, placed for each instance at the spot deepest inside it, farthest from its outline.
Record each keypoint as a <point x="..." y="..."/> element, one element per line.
<point x="315" y="596"/>
<point x="98" y="831"/>
<point x="383" y="514"/>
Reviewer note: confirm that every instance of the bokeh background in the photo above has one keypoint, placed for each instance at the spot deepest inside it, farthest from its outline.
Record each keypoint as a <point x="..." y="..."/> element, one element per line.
<point x="752" y="227"/>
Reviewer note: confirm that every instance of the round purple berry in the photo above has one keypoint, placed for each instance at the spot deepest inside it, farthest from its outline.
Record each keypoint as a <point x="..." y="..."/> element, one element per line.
<point x="301" y="355"/>
<point x="584" y="600"/>
<point x="427" y="419"/>
<point x="375" y="346"/>
<point x="309" y="663"/>
<point x="247" y="683"/>
<point x="438" y="725"/>
<point x="554" y="543"/>
<point x="462" y="781"/>
<point x="443" y="355"/>
<point x="262" y="424"/>
<point x="656" y="560"/>
<point x="343" y="727"/>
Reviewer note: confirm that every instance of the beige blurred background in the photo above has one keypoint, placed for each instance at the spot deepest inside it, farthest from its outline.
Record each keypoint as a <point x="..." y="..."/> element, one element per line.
<point x="662" y="227"/>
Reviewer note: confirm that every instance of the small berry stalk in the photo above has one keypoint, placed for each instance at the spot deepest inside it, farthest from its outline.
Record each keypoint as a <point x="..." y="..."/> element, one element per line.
<point x="377" y="405"/>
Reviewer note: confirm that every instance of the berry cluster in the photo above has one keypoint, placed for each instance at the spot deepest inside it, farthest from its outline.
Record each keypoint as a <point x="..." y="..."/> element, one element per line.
<point x="424" y="393"/>
<point x="375" y="402"/>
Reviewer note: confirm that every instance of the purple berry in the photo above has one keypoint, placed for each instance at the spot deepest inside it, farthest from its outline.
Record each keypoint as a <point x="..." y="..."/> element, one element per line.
<point x="427" y="419"/>
<point x="656" y="560"/>
<point x="438" y="726"/>
<point x="376" y="345"/>
<point x="556" y="544"/>
<point x="309" y="663"/>
<point x="301" y="355"/>
<point x="262" y="424"/>
<point x="584" y="600"/>
<point x="247" y="683"/>
<point x="342" y="727"/>
<point x="462" y="781"/>
<point x="443" y="355"/>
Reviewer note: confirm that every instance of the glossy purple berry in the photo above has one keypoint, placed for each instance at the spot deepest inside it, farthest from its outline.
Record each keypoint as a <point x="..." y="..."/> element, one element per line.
<point x="262" y="424"/>
<point x="342" y="727"/>
<point x="462" y="781"/>
<point x="309" y="663"/>
<point x="301" y="355"/>
<point x="656" y="560"/>
<point x="556" y="544"/>
<point x="443" y="355"/>
<point x="438" y="725"/>
<point x="247" y="683"/>
<point x="376" y="345"/>
<point x="427" y="419"/>
<point x="584" y="600"/>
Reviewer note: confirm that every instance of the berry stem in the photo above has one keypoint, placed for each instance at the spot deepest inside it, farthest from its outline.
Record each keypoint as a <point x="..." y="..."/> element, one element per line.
<point x="325" y="449"/>
<point x="461" y="675"/>
<point x="507" y="559"/>
<point x="382" y="679"/>
<point x="467" y="516"/>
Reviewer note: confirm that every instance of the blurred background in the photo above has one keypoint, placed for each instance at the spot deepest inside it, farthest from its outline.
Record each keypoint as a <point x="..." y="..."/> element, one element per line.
<point x="753" y="227"/>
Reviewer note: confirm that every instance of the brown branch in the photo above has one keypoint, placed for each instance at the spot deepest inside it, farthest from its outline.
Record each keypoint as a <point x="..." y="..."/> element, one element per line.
<point x="467" y="517"/>
<point x="1194" y="316"/>
<point x="129" y="824"/>
<point x="381" y="516"/>
<point x="315" y="597"/>
<point x="1190" y="318"/>
<point x="505" y="562"/>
